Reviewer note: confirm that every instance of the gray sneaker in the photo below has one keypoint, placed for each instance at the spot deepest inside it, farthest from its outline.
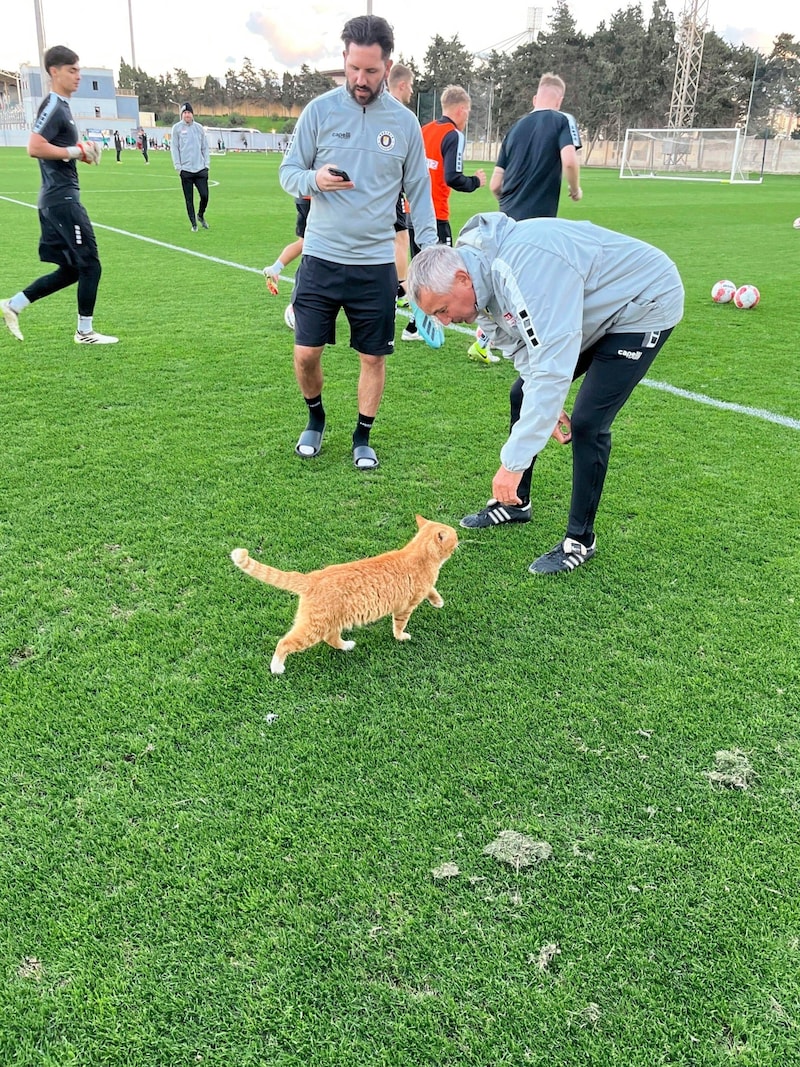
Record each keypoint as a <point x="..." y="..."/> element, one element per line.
<point x="202" y="222"/>
<point x="11" y="319"/>
<point x="495" y="514"/>
<point x="564" y="557"/>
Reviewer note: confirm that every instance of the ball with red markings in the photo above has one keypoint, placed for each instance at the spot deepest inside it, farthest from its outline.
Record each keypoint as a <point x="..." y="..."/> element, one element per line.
<point x="722" y="292"/>
<point x="746" y="296"/>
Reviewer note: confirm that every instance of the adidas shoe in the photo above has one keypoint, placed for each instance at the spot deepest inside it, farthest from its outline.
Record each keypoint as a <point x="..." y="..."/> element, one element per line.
<point x="411" y="335"/>
<point x="11" y="319"/>
<point x="94" y="338"/>
<point x="288" y="316"/>
<point x="482" y="355"/>
<point x="202" y="222"/>
<point x="564" y="557"/>
<point x="194" y="228"/>
<point x="495" y="514"/>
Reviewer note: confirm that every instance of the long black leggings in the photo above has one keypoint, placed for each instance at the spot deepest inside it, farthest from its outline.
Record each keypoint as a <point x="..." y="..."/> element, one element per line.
<point x="87" y="277"/>
<point x="612" y="369"/>
<point x="189" y="182"/>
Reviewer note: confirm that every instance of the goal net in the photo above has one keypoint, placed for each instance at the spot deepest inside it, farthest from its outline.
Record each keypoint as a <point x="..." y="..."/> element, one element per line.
<point x="224" y="139"/>
<point x="689" y="155"/>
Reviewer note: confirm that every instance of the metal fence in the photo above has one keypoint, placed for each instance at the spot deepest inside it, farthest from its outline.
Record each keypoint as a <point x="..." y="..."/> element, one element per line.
<point x="780" y="156"/>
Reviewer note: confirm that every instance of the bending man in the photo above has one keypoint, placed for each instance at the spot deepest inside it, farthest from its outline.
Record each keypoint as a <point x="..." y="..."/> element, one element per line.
<point x="561" y="300"/>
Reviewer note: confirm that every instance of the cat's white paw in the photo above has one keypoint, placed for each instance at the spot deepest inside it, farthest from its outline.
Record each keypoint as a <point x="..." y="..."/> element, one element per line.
<point x="348" y="646"/>
<point x="277" y="666"/>
<point x="437" y="602"/>
<point x="404" y="636"/>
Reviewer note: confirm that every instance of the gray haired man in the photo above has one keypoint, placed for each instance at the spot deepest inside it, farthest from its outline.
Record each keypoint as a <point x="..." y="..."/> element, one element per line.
<point x="561" y="300"/>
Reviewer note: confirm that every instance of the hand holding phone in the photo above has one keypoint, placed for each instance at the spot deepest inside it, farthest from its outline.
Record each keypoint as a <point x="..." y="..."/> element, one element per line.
<point x="339" y="173"/>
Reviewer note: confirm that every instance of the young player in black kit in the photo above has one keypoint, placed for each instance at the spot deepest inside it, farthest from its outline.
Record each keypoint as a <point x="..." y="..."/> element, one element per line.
<point x="67" y="238"/>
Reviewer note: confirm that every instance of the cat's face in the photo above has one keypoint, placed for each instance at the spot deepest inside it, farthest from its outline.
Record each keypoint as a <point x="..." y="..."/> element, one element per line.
<point x="443" y="537"/>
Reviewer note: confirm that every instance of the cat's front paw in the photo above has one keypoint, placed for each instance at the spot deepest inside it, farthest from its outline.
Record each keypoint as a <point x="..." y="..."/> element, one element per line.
<point x="436" y="600"/>
<point x="277" y="665"/>
<point x="404" y="636"/>
<point x="347" y="646"/>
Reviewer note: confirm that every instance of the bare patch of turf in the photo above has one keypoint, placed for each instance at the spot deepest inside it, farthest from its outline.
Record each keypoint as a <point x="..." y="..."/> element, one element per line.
<point x="732" y="771"/>
<point x="445" y="871"/>
<point x="518" y="850"/>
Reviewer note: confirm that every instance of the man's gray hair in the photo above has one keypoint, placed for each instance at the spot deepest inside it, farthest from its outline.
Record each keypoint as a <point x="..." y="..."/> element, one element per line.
<point x="435" y="269"/>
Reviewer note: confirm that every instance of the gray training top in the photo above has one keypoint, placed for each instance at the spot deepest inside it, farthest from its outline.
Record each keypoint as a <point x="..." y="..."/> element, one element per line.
<point x="548" y="289"/>
<point x="380" y="147"/>
<point x="189" y="147"/>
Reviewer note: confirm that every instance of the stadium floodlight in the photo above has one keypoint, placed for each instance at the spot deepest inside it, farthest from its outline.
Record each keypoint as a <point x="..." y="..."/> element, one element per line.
<point x="702" y="155"/>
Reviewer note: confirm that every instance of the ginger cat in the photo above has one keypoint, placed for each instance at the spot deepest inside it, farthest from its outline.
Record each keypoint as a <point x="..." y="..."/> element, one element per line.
<point x="345" y="595"/>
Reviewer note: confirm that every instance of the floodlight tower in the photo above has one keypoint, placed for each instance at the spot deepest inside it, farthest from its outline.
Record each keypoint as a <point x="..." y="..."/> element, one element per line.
<point x="41" y="45"/>
<point x="691" y="35"/>
<point x="130" y="22"/>
<point x="533" y="26"/>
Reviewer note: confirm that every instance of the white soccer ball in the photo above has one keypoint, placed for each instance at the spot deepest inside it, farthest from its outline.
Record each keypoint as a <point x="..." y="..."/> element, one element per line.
<point x="746" y="296"/>
<point x="796" y="224"/>
<point x="722" y="292"/>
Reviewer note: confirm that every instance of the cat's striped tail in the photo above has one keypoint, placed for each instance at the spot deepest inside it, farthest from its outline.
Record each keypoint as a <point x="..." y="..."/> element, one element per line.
<point x="293" y="581"/>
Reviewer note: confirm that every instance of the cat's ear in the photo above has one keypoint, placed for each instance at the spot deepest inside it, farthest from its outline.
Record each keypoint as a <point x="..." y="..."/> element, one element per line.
<point x="420" y="521"/>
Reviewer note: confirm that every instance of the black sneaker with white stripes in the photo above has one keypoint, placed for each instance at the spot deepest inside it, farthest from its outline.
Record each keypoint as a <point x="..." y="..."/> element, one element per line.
<point x="495" y="514"/>
<point x="564" y="557"/>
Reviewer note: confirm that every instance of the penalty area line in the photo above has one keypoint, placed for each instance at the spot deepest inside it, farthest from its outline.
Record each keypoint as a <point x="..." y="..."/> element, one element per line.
<point x="651" y="383"/>
<point x="152" y="241"/>
<point x="724" y="405"/>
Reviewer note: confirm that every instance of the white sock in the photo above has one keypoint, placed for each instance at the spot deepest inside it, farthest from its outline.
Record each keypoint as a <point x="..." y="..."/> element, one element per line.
<point x="84" y="323"/>
<point x="19" y="302"/>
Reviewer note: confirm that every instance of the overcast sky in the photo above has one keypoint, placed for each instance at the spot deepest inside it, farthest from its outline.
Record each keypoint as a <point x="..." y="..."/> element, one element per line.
<point x="205" y="37"/>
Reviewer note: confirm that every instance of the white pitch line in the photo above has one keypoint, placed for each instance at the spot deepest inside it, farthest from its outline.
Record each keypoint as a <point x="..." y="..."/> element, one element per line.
<point x="665" y="387"/>
<point x="724" y="405"/>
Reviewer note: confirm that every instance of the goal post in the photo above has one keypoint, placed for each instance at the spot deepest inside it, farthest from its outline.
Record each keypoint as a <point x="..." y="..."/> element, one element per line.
<point x="710" y="155"/>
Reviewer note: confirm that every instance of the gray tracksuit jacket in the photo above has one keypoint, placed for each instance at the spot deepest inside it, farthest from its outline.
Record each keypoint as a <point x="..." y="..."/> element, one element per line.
<point x="189" y="147"/>
<point x="546" y="290"/>
<point x="380" y="147"/>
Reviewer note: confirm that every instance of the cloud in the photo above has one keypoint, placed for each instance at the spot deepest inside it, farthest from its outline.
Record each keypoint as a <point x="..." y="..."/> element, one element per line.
<point x="289" y="45"/>
<point x="752" y="38"/>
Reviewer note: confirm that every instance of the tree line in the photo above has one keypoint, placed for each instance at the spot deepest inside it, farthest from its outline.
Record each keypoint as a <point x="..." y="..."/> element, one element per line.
<point x="620" y="76"/>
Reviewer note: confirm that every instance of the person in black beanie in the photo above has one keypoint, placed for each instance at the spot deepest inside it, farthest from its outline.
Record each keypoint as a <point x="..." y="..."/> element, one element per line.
<point x="190" y="157"/>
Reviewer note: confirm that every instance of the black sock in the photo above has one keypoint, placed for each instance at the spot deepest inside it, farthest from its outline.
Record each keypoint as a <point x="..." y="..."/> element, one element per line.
<point x="316" y="413"/>
<point x="363" y="427"/>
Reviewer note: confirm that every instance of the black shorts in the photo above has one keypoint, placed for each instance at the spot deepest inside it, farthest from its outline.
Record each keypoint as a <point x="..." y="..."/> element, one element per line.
<point x="67" y="236"/>
<point x="444" y="236"/>
<point x="367" y="295"/>
<point x="401" y="221"/>
<point x="303" y="206"/>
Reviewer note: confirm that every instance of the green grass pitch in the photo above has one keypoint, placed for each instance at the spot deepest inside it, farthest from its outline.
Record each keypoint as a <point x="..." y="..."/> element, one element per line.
<point x="203" y="864"/>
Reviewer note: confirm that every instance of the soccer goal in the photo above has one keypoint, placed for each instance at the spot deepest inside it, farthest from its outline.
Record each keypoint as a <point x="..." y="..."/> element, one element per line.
<point x="689" y="155"/>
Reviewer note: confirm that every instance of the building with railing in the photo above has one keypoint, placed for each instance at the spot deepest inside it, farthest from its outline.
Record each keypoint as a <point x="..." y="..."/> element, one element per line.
<point x="98" y="107"/>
